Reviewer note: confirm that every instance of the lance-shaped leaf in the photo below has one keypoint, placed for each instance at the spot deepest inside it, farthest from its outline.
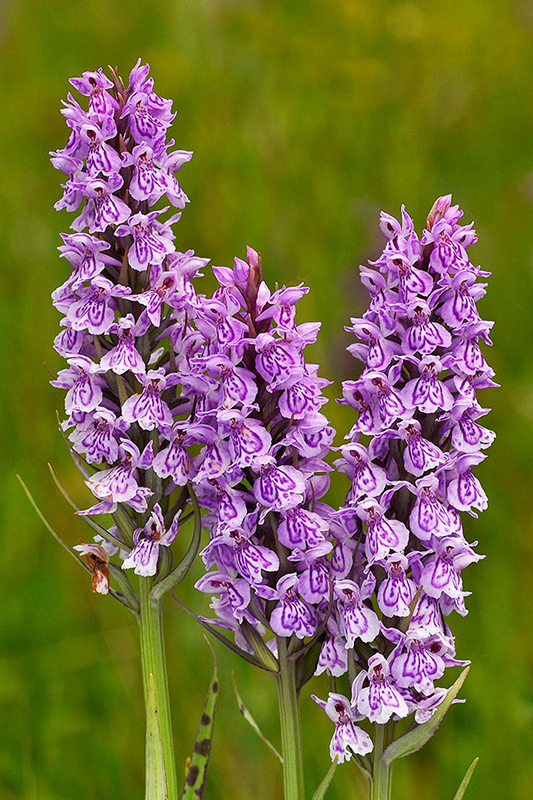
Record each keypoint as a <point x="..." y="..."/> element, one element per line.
<point x="197" y="771"/>
<point x="119" y="576"/>
<point x="253" y="724"/>
<point x="325" y="782"/>
<point x="416" y="738"/>
<point x="98" y="529"/>
<point x="186" y="562"/>
<point x="125" y="586"/>
<point x="257" y="643"/>
<point x="122" y="599"/>
<point x="466" y="780"/>
<point x="363" y="763"/>
<point x="156" y="777"/>
<point x="214" y="631"/>
<point x="49" y="527"/>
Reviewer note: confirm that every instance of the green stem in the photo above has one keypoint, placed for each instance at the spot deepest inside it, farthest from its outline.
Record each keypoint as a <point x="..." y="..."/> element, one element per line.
<point x="161" y="783"/>
<point x="291" y="734"/>
<point x="380" y="786"/>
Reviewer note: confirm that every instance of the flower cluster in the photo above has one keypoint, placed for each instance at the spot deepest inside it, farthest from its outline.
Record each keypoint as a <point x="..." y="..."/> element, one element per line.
<point x="128" y="310"/>
<point x="409" y="459"/>
<point x="262" y="471"/>
<point x="167" y="390"/>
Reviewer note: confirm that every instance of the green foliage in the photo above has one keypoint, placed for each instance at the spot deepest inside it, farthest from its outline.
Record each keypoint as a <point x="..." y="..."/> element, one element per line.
<point x="419" y="735"/>
<point x="252" y="723"/>
<point x="325" y="783"/>
<point x="199" y="762"/>
<point x="466" y="780"/>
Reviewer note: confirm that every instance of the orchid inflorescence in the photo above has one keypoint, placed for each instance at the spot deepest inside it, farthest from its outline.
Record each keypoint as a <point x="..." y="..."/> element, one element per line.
<point x="176" y="399"/>
<point x="268" y="540"/>
<point x="409" y="460"/>
<point x="129" y="308"/>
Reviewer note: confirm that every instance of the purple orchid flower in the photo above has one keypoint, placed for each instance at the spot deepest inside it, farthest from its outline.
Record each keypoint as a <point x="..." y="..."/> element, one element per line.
<point x="358" y="621"/>
<point x="292" y="614"/>
<point x="83" y="382"/>
<point x="381" y="699"/>
<point x="119" y="483"/>
<point x="147" y="248"/>
<point x="148" y="409"/>
<point x="145" y="554"/>
<point x="124" y="357"/>
<point x="348" y="738"/>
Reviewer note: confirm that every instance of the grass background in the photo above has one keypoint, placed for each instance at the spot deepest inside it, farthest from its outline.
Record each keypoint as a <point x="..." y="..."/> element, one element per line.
<point x="306" y="118"/>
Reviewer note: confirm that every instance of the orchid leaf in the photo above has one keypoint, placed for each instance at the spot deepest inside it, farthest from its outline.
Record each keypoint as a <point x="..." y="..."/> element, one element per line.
<point x="125" y="586"/>
<point x="466" y="780"/>
<point x="253" y="724"/>
<point x="123" y="599"/>
<point x="98" y="529"/>
<point x="265" y="656"/>
<point x="325" y="783"/>
<point x="416" y="738"/>
<point x="49" y="527"/>
<point x="198" y="764"/>
<point x="220" y="636"/>
<point x="363" y="763"/>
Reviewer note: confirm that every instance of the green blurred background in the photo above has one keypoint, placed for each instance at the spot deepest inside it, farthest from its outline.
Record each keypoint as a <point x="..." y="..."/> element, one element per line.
<point x="306" y="118"/>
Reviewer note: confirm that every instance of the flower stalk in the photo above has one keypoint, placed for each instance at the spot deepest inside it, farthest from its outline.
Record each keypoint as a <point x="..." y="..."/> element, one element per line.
<point x="161" y="782"/>
<point x="291" y="731"/>
<point x="380" y="785"/>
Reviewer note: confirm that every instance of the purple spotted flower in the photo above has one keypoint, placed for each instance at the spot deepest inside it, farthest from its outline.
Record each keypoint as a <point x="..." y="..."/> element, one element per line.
<point x="348" y="739"/>
<point x="292" y="614"/>
<point x="95" y="310"/>
<point x="277" y="487"/>
<point x="124" y="357"/>
<point x="144" y="557"/>
<point x="358" y="621"/>
<point x="87" y="255"/>
<point x="380" y="699"/>
<point x="233" y="592"/>
<point x="333" y="654"/>
<point x="423" y="657"/>
<point x="83" y="382"/>
<point x="148" y="409"/>
<point x="97" y="435"/>
<point x="397" y="591"/>
<point x="174" y="397"/>
<point x="120" y="483"/>
<point x="148" y="248"/>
